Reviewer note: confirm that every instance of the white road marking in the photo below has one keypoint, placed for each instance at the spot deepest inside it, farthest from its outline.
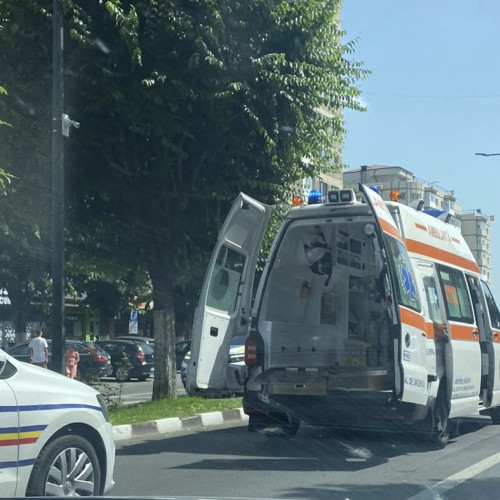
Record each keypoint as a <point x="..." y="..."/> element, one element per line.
<point x="435" y="491"/>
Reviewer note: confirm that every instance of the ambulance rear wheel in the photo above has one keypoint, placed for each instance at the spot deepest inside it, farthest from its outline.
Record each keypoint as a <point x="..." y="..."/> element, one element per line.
<point x="67" y="466"/>
<point x="440" y="434"/>
<point x="495" y="416"/>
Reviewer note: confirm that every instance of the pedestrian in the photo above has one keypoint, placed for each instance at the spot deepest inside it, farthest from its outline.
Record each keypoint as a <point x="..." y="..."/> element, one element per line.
<point x="71" y="360"/>
<point x="39" y="350"/>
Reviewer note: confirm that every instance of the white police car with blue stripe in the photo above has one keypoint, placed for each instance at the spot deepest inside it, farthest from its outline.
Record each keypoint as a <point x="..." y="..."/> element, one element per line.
<point x="55" y="435"/>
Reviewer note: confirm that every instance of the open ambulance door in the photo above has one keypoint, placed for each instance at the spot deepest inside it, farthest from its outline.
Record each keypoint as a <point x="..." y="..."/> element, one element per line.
<point x="408" y="325"/>
<point x="463" y="349"/>
<point x="225" y="300"/>
<point x="494" y="326"/>
<point x="487" y="347"/>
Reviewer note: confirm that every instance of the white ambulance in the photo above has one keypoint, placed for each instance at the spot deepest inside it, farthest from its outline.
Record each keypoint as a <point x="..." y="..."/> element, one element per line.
<point x="367" y="314"/>
<point x="55" y="435"/>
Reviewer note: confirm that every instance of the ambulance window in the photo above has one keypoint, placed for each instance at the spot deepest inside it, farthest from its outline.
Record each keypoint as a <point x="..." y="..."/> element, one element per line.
<point x="408" y="293"/>
<point x="458" y="306"/>
<point x="225" y="280"/>
<point x="492" y="307"/>
<point x="432" y="299"/>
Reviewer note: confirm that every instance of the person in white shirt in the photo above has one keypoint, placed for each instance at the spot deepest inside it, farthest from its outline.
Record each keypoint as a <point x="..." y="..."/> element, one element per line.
<point x="39" y="350"/>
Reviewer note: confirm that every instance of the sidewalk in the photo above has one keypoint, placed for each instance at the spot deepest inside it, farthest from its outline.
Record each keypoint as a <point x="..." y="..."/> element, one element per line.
<point x="202" y="421"/>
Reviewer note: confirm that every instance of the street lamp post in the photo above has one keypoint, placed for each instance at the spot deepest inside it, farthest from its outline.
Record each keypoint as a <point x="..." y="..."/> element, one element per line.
<point x="58" y="206"/>
<point x="487" y="154"/>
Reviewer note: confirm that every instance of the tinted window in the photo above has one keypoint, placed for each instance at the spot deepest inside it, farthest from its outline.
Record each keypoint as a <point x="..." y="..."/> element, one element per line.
<point x="406" y="283"/>
<point x="492" y="307"/>
<point x="431" y="296"/>
<point x="225" y="280"/>
<point x="456" y="295"/>
<point x="19" y="350"/>
<point x="146" y="349"/>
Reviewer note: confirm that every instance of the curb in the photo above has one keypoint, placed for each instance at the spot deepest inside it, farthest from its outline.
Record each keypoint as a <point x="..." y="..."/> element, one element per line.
<point x="201" y="421"/>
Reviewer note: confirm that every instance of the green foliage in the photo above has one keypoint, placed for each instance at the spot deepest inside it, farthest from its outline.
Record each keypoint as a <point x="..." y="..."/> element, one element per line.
<point x="182" y="105"/>
<point x="5" y="178"/>
<point x="180" y="407"/>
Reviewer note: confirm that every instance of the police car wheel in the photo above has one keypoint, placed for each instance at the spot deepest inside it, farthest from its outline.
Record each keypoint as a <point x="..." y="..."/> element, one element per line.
<point x="67" y="466"/>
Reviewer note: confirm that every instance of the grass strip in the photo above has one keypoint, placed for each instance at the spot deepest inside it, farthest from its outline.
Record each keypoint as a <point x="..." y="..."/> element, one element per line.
<point x="166" y="408"/>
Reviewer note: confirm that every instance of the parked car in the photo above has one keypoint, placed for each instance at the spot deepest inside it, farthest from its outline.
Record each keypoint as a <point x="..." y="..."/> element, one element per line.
<point x="65" y="447"/>
<point x="137" y="338"/>
<point x="181" y="347"/>
<point x="129" y="359"/>
<point x="94" y="362"/>
<point x="236" y="363"/>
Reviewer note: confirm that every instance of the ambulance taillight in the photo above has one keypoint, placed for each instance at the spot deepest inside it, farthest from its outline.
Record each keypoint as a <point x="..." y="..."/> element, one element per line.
<point x="250" y="353"/>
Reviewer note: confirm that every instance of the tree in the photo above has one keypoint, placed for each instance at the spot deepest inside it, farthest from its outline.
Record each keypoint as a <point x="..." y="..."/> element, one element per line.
<point x="183" y="104"/>
<point x="5" y="178"/>
<point x="25" y="154"/>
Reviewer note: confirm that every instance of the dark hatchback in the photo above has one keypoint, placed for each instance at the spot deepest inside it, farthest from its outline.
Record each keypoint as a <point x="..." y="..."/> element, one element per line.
<point x="129" y="359"/>
<point x="94" y="362"/>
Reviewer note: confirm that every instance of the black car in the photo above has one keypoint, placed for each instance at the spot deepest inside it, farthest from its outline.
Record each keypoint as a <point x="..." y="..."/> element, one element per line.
<point x="137" y="338"/>
<point x="182" y="347"/>
<point x="94" y="362"/>
<point x="129" y="359"/>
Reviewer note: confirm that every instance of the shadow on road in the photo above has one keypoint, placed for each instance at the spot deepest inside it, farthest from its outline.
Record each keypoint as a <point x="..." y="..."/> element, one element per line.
<point x="313" y="449"/>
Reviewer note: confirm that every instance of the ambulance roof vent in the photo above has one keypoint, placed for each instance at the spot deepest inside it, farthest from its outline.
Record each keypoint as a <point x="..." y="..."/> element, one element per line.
<point x="341" y="196"/>
<point x="439" y="214"/>
<point x="417" y="204"/>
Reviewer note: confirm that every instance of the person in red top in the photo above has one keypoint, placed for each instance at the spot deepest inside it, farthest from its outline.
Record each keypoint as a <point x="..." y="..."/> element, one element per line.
<point x="71" y="359"/>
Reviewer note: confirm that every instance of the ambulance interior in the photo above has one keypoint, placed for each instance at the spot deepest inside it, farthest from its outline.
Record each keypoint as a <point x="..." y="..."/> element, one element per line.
<point x="322" y="306"/>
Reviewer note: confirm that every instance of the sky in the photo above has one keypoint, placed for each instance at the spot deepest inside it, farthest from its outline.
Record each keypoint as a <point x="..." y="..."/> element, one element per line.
<point x="433" y="97"/>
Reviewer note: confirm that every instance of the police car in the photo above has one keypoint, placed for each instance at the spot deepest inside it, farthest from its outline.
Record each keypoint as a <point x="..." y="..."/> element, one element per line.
<point x="55" y="436"/>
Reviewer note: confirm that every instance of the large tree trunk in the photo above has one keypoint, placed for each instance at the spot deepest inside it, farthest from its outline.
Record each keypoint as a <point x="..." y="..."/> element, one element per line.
<point x="164" y="385"/>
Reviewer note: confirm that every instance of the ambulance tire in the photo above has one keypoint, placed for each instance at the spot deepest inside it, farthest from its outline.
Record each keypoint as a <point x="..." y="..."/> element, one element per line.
<point x="440" y="434"/>
<point x="73" y="456"/>
<point x="495" y="416"/>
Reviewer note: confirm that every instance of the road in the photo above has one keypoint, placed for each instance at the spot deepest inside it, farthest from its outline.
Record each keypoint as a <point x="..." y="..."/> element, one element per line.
<point x="317" y="464"/>
<point x="133" y="391"/>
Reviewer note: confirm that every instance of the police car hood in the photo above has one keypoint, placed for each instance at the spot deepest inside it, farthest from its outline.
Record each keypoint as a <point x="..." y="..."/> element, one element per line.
<point x="62" y="387"/>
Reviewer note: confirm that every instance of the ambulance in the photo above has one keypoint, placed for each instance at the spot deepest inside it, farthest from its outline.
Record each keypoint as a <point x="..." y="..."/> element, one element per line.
<point x="368" y="314"/>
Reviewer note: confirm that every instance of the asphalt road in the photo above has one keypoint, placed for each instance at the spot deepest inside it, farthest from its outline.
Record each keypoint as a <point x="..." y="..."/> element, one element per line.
<point x="318" y="464"/>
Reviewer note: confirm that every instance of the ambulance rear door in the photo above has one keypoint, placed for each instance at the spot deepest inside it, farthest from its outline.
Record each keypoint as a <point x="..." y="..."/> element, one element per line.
<point x="410" y="365"/>
<point x="224" y="306"/>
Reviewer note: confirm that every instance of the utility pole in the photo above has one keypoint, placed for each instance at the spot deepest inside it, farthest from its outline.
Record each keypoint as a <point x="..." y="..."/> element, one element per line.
<point x="58" y="205"/>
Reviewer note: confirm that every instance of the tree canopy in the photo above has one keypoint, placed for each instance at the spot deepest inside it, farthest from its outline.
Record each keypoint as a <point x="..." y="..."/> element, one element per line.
<point x="182" y="104"/>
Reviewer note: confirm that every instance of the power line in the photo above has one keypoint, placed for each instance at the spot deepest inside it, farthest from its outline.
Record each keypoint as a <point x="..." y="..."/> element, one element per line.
<point x="423" y="96"/>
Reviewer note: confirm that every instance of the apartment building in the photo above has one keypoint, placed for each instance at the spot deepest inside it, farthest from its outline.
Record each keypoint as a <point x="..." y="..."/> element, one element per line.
<point x="322" y="184"/>
<point x="474" y="225"/>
